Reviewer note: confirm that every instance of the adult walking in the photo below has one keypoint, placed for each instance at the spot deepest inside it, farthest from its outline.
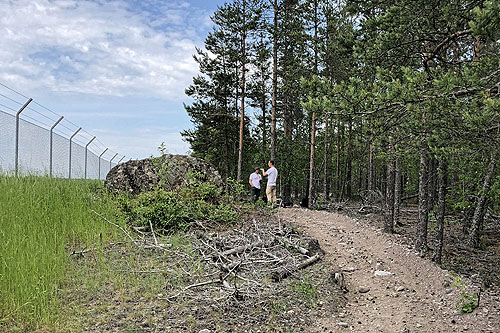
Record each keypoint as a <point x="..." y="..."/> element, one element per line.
<point x="254" y="181"/>
<point x="272" y="175"/>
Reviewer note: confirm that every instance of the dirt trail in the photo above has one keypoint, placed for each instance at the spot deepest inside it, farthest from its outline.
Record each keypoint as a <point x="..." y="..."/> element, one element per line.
<point x="415" y="297"/>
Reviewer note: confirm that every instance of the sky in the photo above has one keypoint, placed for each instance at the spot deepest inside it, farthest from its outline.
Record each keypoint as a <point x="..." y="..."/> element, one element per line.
<point x="116" y="68"/>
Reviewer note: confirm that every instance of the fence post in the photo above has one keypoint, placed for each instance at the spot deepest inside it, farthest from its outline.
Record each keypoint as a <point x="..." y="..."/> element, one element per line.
<point x="86" y="150"/>
<point x="121" y="159"/>
<point x="70" y="139"/>
<point x="17" y="133"/>
<point x="51" y="146"/>
<point x="111" y="160"/>
<point x="105" y="150"/>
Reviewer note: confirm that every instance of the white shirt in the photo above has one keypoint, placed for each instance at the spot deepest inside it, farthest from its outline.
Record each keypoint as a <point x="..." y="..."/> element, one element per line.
<point x="272" y="174"/>
<point x="255" y="178"/>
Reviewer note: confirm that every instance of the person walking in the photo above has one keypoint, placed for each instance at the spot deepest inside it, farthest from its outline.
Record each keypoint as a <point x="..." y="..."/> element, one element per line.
<point x="272" y="175"/>
<point x="254" y="181"/>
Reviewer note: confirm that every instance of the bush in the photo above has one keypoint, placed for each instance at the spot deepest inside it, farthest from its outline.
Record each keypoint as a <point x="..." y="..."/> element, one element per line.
<point x="200" y="200"/>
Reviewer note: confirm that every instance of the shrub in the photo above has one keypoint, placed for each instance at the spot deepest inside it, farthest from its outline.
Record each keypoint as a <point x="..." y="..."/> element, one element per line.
<point x="200" y="200"/>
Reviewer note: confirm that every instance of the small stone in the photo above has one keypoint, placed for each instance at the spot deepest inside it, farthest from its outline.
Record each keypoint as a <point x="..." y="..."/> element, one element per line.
<point x="418" y="325"/>
<point x="343" y="324"/>
<point x="349" y="269"/>
<point x="382" y="273"/>
<point x="363" y="289"/>
<point x="448" y="291"/>
<point x="205" y="330"/>
<point x="400" y="288"/>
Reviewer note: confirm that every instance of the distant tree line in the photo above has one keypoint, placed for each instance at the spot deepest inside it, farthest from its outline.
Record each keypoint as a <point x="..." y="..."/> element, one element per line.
<point x="357" y="99"/>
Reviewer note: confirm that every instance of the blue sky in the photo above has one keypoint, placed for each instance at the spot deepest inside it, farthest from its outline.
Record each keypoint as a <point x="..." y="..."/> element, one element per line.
<point x="117" y="68"/>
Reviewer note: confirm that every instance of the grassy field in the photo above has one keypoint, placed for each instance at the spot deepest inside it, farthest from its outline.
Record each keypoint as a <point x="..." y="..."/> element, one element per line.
<point x="42" y="221"/>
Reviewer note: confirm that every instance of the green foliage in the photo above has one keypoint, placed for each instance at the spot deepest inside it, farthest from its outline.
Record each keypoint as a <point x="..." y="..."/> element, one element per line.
<point x="306" y="290"/>
<point x="178" y="209"/>
<point x="486" y="21"/>
<point x="235" y="190"/>
<point x="468" y="302"/>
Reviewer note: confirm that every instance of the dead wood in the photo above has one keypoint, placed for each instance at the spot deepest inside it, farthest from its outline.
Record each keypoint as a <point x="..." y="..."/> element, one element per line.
<point x="236" y="250"/>
<point x="114" y="224"/>
<point x="284" y="273"/>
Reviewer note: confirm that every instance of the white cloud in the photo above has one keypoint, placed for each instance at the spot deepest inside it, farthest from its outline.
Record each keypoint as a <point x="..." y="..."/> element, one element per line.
<point x="100" y="47"/>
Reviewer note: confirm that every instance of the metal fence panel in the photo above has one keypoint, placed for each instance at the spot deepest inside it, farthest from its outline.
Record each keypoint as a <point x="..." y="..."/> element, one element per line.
<point x="33" y="149"/>
<point x="34" y="153"/>
<point x="7" y="141"/>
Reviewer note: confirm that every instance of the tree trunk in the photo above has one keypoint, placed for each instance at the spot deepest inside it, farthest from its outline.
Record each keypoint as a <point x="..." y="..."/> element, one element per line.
<point x="339" y="149"/>
<point x="423" y="207"/>
<point x="326" y="157"/>
<point x="264" y="112"/>
<point x="370" y="166"/>
<point x="287" y="161"/>
<point x="431" y="181"/>
<point x="397" y="193"/>
<point x="313" y="120"/>
<point x="242" y="116"/>
<point x="275" y="80"/>
<point x="389" y="199"/>
<point x="443" y="183"/>
<point x="477" y="220"/>
<point x="349" y="162"/>
<point x="311" y="160"/>
<point x="477" y="49"/>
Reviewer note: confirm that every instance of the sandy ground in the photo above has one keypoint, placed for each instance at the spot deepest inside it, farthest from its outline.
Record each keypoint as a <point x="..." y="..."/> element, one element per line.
<point x="417" y="295"/>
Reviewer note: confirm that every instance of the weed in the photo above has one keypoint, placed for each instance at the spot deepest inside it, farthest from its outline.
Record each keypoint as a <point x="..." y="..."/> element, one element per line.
<point x="278" y="307"/>
<point x="306" y="290"/>
<point x="468" y="302"/>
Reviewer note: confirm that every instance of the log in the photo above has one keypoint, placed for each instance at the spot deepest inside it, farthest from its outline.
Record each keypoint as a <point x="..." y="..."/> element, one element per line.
<point x="282" y="274"/>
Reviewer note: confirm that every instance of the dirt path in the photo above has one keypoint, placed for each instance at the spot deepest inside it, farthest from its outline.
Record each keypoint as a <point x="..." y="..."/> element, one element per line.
<point x="415" y="297"/>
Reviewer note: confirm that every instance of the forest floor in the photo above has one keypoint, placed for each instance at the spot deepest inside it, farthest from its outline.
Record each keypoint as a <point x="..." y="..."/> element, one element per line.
<point x="415" y="295"/>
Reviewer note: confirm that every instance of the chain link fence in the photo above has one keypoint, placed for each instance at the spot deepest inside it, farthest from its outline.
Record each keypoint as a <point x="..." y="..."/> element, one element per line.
<point x="35" y="140"/>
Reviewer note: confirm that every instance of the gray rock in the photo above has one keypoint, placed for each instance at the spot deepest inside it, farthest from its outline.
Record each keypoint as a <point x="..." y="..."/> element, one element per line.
<point x="312" y="246"/>
<point x="382" y="273"/>
<point x="343" y="324"/>
<point x="139" y="176"/>
<point x="363" y="289"/>
<point x="204" y="331"/>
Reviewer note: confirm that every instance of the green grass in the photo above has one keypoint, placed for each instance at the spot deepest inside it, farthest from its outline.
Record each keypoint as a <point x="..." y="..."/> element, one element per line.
<point x="41" y="221"/>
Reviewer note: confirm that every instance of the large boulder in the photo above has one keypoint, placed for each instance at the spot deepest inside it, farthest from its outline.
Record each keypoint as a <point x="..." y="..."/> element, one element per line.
<point x="169" y="171"/>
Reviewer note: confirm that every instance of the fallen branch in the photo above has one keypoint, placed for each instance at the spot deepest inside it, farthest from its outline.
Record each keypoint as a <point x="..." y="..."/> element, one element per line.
<point x="153" y="232"/>
<point x="297" y="248"/>
<point x="280" y="275"/>
<point x="236" y="250"/>
<point x="116" y="225"/>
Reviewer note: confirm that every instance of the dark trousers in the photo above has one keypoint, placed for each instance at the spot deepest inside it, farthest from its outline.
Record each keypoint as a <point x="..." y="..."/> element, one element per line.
<point x="255" y="194"/>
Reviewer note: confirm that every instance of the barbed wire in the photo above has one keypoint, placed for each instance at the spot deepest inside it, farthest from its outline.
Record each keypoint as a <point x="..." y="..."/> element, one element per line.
<point x="65" y="123"/>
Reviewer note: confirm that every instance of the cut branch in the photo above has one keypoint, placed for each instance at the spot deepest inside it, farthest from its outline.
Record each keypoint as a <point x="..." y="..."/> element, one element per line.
<point x="282" y="274"/>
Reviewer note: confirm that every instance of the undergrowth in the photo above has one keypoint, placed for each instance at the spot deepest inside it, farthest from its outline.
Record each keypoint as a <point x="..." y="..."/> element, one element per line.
<point x="177" y="209"/>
